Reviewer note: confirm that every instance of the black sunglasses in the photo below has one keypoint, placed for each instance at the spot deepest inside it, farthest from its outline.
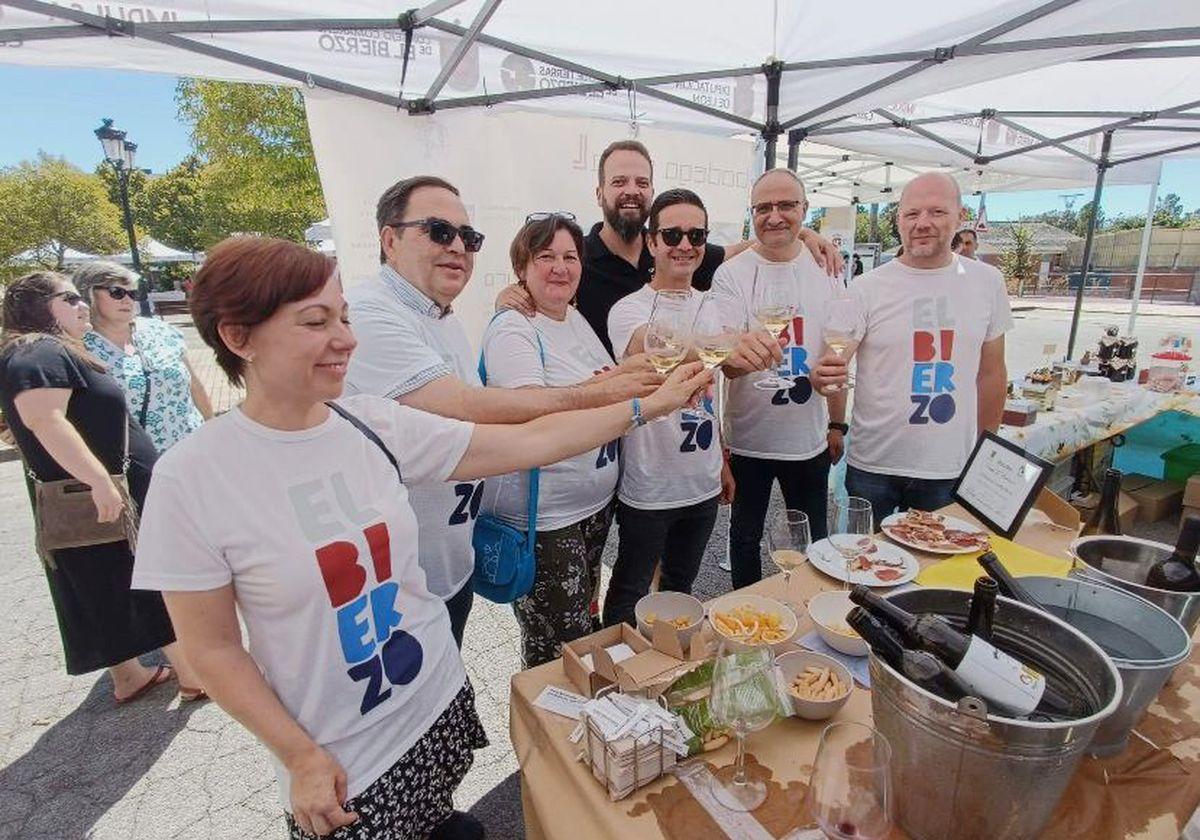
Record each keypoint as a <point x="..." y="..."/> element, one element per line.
<point x="69" y="298"/>
<point x="442" y="232"/>
<point x="120" y="293"/>
<point x="549" y="214"/>
<point x="674" y="235"/>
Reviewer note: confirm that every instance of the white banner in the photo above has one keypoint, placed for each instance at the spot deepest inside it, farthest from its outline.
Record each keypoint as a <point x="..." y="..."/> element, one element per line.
<point x="506" y="165"/>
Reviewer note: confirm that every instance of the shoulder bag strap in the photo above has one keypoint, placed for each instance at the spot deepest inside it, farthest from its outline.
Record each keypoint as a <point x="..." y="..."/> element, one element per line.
<point x="369" y="434"/>
<point x="145" y="410"/>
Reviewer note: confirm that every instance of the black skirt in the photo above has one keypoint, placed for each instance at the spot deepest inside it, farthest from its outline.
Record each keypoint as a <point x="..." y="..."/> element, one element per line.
<point x="101" y="620"/>
<point x="414" y="796"/>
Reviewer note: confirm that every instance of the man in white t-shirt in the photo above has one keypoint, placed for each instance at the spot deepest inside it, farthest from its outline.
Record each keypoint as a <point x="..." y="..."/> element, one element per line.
<point x="786" y="435"/>
<point x="930" y="374"/>
<point x="413" y="349"/>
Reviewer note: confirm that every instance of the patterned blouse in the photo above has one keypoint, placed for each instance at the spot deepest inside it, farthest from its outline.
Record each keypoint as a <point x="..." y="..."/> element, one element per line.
<point x="158" y="360"/>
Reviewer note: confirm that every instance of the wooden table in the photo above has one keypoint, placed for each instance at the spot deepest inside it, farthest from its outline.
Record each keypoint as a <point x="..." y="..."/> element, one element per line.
<point x="1148" y="792"/>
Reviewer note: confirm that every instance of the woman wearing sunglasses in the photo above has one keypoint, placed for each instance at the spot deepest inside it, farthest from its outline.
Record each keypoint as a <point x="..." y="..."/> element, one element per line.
<point x="555" y="348"/>
<point x="673" y="472"/>
<point x="147" y="356"/>
<point x="69" y="420"/>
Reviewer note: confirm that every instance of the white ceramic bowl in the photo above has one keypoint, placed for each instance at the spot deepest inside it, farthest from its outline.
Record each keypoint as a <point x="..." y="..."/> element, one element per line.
<point x="793" y="663"/>
<point x="787" y="619"/>
<point x="828" y="611"/>
<point x="665" y="606"/>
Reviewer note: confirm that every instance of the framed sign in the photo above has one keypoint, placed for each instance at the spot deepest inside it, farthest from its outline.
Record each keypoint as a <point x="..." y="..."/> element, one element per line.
<point x="1000" y="483"/>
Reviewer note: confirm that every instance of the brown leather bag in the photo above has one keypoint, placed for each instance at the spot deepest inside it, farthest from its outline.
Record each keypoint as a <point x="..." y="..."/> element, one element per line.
<point x="66" y="515"/>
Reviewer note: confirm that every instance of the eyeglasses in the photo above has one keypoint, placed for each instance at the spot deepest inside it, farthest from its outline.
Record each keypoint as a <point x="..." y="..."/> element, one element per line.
<point x="764" y="208"/>
<point x="120" y="293"/>
<point x="549" y="214"/>
<point x="69" y="298"/>
<point x="442" y="232"/>
<point x="674" y="235"/>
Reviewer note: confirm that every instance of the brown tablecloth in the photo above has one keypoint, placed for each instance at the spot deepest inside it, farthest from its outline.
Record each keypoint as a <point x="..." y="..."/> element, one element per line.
<point x="1147" y="792"/>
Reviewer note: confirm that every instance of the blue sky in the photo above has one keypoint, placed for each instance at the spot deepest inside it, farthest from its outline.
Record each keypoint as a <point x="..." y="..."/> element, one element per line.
<point x="57" y="110"/>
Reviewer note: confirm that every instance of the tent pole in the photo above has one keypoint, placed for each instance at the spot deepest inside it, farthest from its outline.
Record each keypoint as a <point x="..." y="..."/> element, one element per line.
<point x="793" y="162"/>
<point x="1143" y="257"/>
<point x="771" y="129"/>
<point x="1101" y="168"/>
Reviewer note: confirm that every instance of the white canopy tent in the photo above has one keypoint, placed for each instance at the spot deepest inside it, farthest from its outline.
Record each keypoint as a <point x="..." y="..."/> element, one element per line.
<point x="48" y="253"/>
<point x="153" y="252"/>
<point x="770" y="69"/>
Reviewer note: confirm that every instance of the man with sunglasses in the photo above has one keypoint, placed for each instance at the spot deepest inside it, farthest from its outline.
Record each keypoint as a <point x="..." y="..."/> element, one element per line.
<point x="790" y="435"/>
<point x="616" y="258"/>
<point x="413" y="349"/>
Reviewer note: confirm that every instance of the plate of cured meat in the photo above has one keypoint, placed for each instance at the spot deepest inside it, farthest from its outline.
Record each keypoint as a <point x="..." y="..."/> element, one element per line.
<point x="872" y="563"/>
<point x="935" y="533"/>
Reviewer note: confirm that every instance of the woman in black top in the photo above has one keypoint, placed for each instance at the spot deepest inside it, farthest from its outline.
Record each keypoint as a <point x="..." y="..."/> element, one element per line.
<point x="69" y="420"/>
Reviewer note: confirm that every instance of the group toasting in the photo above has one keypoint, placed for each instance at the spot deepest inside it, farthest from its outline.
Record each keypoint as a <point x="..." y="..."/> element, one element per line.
<point x="337" y="511"/>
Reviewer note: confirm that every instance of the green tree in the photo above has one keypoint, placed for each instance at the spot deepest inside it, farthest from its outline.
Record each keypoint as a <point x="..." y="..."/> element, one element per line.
<point x="172" y="206"/>
<point x="1084" y="218"/>
<point x="886" y="232"/>
<point x="1169" y="212"/>
<point x="260" y="175"/>
<point x="1018" y="262"/>
<point x="49" y="205"/>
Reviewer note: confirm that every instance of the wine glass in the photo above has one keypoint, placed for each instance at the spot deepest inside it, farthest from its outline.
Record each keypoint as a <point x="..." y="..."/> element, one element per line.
<point x="666" y="336"/>
<point x="714" y="334"/>
<point x="850" y="793"/>
<point x="842" y="331"/>
<point x="852" y="529"/>
<point x="743" y="700"/>
<point x="774" y="299"/>
<point x="788" y="538"/>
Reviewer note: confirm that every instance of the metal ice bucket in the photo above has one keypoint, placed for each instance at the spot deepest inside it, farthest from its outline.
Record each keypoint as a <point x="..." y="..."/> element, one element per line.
<point x="960" y="773"/>
<point x="1143" y="641"/>
<point x="1124" y="562"/>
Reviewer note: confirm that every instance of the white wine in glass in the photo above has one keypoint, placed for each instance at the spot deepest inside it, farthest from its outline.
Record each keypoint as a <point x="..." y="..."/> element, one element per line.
<point x="775" y="298"/>
<point x="788" y="538"/>
<point x="841" y="331"/>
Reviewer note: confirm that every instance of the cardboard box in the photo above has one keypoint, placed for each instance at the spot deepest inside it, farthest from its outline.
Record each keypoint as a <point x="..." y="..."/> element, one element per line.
<point x="1191" y="492"/>
<point x="1019" y="413"/>
<point x="1127" y="509"/>
<point x="602" y="671"/>
<point x="1156" y="498"/>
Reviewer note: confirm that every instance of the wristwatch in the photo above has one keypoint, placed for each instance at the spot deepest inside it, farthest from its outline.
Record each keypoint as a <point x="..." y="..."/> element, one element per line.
<point x="839" y="427"/>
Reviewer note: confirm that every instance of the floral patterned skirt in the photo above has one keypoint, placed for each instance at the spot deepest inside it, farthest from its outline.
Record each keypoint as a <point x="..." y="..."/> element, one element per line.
<point x="414" y="796"/>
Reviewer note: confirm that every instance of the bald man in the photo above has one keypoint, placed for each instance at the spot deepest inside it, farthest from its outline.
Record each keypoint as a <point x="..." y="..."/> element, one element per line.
<point x="930" y="374"/>
<point x="789" y="435"/>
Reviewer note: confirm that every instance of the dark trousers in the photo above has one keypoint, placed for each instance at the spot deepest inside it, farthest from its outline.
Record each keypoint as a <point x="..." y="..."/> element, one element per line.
<point x="676" y="537"/>
<point x="805" y="487"/>
<point x="459" y="607"/>
<point x="888" y="493"/>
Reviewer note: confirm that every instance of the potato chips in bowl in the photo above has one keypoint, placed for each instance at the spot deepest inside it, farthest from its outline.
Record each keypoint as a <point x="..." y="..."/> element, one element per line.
<point x="752" y="620"/>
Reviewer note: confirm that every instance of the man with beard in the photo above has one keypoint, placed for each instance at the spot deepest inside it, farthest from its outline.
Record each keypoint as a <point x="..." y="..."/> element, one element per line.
<point x="616" y="259"/>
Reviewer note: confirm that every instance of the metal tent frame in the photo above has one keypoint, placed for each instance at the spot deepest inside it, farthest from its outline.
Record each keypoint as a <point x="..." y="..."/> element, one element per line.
<point x="1131" y="44"/>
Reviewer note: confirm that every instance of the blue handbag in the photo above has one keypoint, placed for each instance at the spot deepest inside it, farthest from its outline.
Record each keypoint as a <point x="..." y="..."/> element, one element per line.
<point x="505" y="561"/>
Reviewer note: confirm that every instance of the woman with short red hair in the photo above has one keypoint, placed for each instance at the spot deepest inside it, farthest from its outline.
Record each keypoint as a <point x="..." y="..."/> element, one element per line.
<point x="293" y="509"/>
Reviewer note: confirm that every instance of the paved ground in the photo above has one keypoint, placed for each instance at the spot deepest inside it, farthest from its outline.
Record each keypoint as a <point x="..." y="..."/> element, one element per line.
<point x="73" y="766"/>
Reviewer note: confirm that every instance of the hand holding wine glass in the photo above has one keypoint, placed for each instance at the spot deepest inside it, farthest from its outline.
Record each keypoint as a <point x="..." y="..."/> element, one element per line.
<point x="775" y="297"/>
<point x="842" y="332"/>
<point x="713" y="333"/>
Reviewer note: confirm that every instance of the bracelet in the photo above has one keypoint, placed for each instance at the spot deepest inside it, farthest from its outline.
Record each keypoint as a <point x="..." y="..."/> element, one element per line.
<point x="844" y="428"/>
<point x="638" y="419"/>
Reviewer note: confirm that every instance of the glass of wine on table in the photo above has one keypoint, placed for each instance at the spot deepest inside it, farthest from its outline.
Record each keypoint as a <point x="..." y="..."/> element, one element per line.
<point x="744" y="699"/>
<point x="788" y="538"/>
<point x="852" y="531"/>
<point x="850" y="793"/>
<point x="774" y="301"/>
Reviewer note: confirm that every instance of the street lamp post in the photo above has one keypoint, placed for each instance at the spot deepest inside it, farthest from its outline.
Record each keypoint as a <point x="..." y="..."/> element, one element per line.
<point x="120" y="153"/>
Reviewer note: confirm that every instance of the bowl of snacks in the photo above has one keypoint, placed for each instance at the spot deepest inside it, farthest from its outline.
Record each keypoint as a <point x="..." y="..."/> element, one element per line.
<point x="828" y="611"/>
<point x="680" y="610"/>
<point x="750" y="620"/>
<point x="817" y="685"/>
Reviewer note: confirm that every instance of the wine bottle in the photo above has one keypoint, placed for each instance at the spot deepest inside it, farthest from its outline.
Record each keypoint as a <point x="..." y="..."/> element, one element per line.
<point x="1009" y="586"/>
<point x="983" y="608"/>
<point x="920" y="666"/>
<point x="1004" y="682"/>
<point x="1178" y="572"/>
<point x="1105" y="519"/>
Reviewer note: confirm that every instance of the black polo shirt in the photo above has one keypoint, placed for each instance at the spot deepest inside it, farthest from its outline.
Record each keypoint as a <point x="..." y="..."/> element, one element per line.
<point x="607" y="278"/>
